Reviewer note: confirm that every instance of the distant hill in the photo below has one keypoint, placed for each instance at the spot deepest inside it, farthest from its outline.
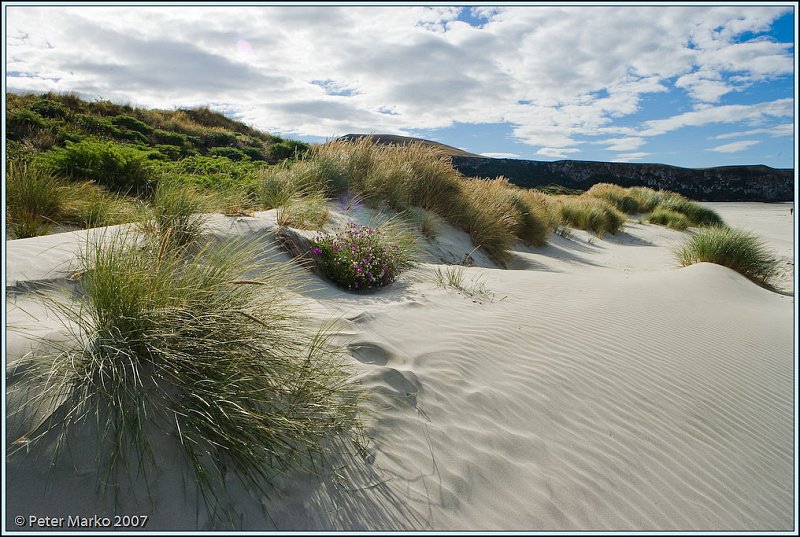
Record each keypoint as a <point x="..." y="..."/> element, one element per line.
<point x="722" y="183"/>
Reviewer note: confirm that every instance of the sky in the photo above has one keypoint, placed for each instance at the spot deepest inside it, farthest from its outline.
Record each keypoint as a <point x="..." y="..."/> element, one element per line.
<point x="692" y="86"/>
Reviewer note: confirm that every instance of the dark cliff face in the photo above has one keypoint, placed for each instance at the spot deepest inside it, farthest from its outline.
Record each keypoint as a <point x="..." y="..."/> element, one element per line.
<point x="727" y="183"/>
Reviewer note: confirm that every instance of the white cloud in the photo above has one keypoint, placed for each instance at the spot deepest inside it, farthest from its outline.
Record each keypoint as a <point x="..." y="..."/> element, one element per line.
<point x="704" y="86"/>
<point x="624" y="144"/>
<point x="500" y="155"/>
<point x="786" y="129"/>
<point x="321" y="71"/>
<point x="734" y="147"/>
<point x="734" y="113"/>
<point x="627" y="157"/>
<point x="555" y="152"/>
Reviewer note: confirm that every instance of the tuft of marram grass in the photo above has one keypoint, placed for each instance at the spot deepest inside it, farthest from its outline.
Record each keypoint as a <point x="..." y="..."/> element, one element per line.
<point x="453" y="277"/>
<point x="34" y="199"/>
<point x="427" y="222"/>
<point x="533" y="220"/>
<point x="206" y="351"/>
<point x="177" y="212"/>
<point x="487" y="213"/>
<point x="734" y="248"/>
<point x="591" y="214"/>
<point x="621" y="198"/>
<point x="304" y="212"/>
<point x="669" y="218"/>
<point x="694" y="212"/>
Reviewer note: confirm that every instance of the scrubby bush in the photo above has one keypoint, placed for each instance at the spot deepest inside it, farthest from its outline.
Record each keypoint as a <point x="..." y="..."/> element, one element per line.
<point x="232" y="153"/>
<point x="217" y="137"/>
<point x="49" y="108"/>
<point x="132" y="123"/>
<point x="118" y="167"/>
<point x="286" y="149"/>
<point x="216" y="173"/>
<point x="737" y="249"/>
<point x="254" y="152"/>
<point x="169" y="138"/>
<point x="23" y="123"/>
<point x="359" y="257"/>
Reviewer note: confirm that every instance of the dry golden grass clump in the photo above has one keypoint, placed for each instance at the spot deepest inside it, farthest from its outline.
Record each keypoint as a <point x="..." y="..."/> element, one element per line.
<point x="663" y="203"/>
<point x="493" y="212"/>
<point x="591" y="213"/>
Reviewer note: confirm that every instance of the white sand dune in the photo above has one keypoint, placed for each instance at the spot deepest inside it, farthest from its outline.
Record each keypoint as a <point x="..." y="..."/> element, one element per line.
<point x="597" y="387"/>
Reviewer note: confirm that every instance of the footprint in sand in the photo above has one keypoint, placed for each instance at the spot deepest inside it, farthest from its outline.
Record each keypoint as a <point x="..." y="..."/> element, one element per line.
<point x="369" y="353"/>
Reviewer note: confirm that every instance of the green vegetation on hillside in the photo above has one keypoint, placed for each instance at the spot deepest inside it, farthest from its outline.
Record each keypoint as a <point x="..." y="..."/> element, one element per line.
<point x="125" y="153"/>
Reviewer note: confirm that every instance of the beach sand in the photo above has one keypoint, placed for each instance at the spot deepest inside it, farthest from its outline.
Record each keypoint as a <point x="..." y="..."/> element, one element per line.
<point x="594" y="385"/>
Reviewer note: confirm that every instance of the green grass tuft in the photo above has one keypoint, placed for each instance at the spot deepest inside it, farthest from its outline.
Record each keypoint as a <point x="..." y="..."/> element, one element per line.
<point x="591" y="214"/>
<point x="694" y="212"/>
<point x="34" y="199"/>
<point x="621" y="198"/>
<point x="734" y="248"/>
<point x="205" y="351"/>
<point x="669" y="218"/>
<point x="177" y="213"/>
<point x="304" y="212"/>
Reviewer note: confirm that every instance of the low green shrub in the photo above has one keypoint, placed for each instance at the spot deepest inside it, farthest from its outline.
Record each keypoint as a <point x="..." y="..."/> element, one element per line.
<point x="50" y="109"/>
<point x="131" y="123"/>
<point x="286" y="149"/>
<point x="169" y="138"/>
<point x="23" y="123"/>
<point x="734" y="248"/>
<point x="359" y="257"/>
<point x="232" y="153"/>
<point x="118" y="167"/>
<point x="212" y="172"/>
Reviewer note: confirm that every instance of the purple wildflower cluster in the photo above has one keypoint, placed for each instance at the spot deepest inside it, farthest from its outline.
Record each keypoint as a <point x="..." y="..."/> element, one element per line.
<point x="358" y="257"/>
